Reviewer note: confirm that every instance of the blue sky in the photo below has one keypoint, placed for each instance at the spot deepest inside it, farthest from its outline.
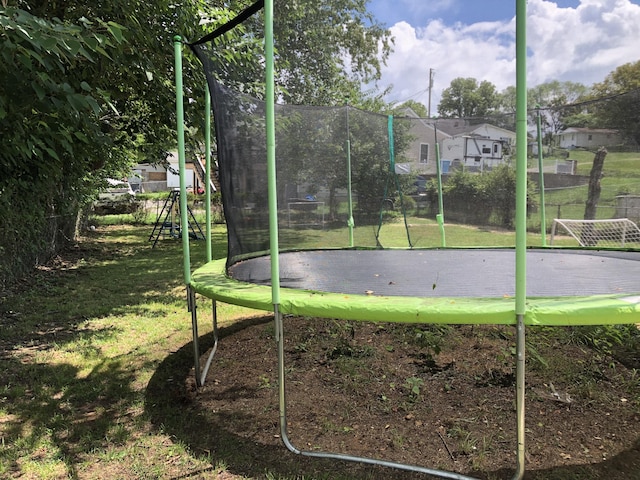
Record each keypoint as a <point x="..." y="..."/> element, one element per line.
<point x="450" y="11"/>
<point x="569" y="40"/>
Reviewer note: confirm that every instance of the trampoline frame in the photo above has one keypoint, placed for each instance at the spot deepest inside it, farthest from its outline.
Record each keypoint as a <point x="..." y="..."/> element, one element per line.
<point x="521" y="179"/>
<point x="520" y="299"/>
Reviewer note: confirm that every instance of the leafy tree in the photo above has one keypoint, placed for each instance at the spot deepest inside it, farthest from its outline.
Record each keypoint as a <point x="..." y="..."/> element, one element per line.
<point x="325" y="49"/>
<point x="49" y="123"/>
<point x="417" y="107"/>
<point x="623" y="79"/>
<point x="465" y="97"/>
<point x="138" y="74"/>
<point x="94" y="88"/>
<point x="555" y="100"/>
<point x="621" y="110"/>
<point x="507" y="100"/>
<point x="481" y="199"/>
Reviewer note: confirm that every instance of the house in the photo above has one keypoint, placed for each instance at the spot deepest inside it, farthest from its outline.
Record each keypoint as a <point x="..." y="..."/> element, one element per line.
<point x="151" y="177"/>
<point x="473" y="152"/>
<point x="419" y="157"/>
<point x="574" y="137"/>
<point x="474" y="147"/>
<point x="148" y="177"/>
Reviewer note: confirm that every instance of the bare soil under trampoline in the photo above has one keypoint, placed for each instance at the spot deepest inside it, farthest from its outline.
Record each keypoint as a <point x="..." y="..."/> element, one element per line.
<point x="436" y="396"/>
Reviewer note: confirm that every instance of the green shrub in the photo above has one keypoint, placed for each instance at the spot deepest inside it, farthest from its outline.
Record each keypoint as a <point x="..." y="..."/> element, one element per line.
<point x="479" y="198"/>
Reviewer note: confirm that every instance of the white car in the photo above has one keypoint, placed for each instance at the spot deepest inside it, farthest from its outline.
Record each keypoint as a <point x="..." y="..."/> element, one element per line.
<point x="118" y="197"/>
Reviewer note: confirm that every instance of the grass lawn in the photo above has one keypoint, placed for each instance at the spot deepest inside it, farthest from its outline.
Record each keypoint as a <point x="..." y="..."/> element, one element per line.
<point x="80" y="341"/>
<point x="95" y="369"/>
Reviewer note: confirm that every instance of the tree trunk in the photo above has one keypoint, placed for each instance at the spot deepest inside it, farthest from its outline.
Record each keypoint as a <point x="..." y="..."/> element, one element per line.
<point x="588" y="235"/>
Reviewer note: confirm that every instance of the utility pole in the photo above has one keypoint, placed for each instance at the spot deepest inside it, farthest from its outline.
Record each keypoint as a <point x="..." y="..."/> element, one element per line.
<point x="431" y="75"/>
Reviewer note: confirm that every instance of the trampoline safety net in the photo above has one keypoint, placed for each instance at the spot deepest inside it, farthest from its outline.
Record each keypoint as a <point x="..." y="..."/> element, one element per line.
<point x="341" y="166"/>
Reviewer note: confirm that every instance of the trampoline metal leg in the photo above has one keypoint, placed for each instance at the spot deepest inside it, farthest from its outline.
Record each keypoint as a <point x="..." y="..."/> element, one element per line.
<point x="279" y="328"/>
<point x="201" y="375"/>
<point x="520" y="387"/>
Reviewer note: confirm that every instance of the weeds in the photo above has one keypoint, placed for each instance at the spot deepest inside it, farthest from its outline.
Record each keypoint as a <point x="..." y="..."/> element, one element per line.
<point x="413" y="386"/>
<point x="95" y="359"/>
<point x="604" y="338"/>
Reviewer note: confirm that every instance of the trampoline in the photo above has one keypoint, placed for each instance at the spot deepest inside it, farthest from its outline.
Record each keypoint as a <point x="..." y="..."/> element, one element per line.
<point x="455" y="286"/>
<point x="290" y="253"/>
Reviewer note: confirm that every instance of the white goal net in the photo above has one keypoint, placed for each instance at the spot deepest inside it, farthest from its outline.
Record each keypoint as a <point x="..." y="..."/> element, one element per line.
<point x="614" y="233"/>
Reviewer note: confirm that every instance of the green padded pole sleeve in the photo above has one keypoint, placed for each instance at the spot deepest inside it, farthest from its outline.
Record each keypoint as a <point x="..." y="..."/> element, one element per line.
<point x="440" y="215"/>
<point x="543" y="213"/>
<point x="521" y="227"/>
<point x="207" y="159"/>
<point x="392" y="153"/>
<point x="271" y="151"/>
<point x="184" y="222"/>
<point x="521" y="156"/>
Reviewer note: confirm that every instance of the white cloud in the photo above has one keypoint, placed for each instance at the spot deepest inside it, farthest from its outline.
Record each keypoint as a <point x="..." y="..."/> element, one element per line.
<point x="581" y="44"/>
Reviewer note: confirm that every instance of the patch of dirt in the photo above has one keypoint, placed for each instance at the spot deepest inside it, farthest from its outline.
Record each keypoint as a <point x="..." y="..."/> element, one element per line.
<point x="441" y="397"/>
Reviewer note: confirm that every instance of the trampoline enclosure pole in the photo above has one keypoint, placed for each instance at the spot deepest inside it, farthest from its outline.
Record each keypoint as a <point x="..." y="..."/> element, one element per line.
<point x="440" y="215"/>
<point x="543" y="215"/>
<point x="521" y="224"/>
<point x="271" y="151"/>
<point x="207" y="159"/>
<point x="350" y="221"/>
<point x="184" y="230"/>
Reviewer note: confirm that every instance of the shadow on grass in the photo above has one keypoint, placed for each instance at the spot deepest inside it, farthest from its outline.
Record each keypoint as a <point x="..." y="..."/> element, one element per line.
<point x="50" y="410"/>
<point x="53" y="414"/>
<point x="115" y="273"/>
<point x="207" y="434"/>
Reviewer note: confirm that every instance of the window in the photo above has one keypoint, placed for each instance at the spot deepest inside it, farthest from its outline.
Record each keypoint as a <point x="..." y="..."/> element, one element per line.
<point x="486" y="149"/>
<point x="424" y="152"/>
<point x="590" y="137"/>
<point x="495" y="148"/>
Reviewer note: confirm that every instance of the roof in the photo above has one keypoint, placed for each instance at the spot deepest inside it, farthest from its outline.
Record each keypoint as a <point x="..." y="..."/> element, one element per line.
<point x="457" y="127"/>
<point x="589" y="130"/>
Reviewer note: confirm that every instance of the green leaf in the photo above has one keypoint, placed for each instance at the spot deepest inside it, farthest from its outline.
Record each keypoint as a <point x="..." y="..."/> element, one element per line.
<point x="81" y="136"/>
<point x="116" y="31"/>
<point x="94" y="105"/>
<point x="48" y="43"/>
<point x="40" y="93"/>
<point x="52" y="152"/>
<point x="72" y="45"/>
<point x="40" y="60"/>
<point x="25" y="60"/>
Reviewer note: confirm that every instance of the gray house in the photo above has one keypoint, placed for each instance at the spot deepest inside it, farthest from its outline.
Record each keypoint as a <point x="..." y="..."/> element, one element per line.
<point x="419" y="157"/>
<point x="476" y="147"/>
<point x="575" y="137"/>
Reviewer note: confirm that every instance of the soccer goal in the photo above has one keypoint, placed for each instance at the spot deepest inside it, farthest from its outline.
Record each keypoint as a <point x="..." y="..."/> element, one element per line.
<point x="616" y="232"/>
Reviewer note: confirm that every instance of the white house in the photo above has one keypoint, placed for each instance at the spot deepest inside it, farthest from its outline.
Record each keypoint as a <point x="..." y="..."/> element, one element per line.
<point x="575" y="137"/>
<point x="151" y="177"/>
<point x="474" y="152"/>
<point x="476" y="147"/>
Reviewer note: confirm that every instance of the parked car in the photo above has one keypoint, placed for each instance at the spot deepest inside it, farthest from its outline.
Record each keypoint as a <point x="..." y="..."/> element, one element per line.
<point x="118" y="197"/>
<point x="421" y="185"/>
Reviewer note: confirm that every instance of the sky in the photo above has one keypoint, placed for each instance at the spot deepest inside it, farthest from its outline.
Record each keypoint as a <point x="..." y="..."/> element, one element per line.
<point x="568" y="40"/>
